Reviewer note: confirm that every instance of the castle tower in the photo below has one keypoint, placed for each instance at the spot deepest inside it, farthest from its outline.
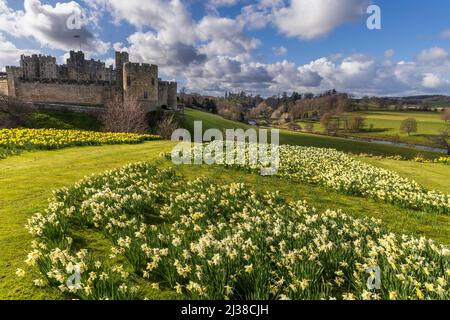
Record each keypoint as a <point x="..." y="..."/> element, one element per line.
<point x="167" y="95"/>
<point x="38" y="67"/>
<point x="172" y="94"/>
<point x="163" y="93"/>
<point x="30" y="66"/>
<point x="121" y="59"/>
<point x="140" y="82"/>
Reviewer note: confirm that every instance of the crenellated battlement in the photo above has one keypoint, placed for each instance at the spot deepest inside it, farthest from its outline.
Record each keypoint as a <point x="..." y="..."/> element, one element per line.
<point x="133" y="80"/>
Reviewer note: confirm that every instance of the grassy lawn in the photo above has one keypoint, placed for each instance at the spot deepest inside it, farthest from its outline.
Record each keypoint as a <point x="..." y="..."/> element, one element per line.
<point x="26" y="182"/>
<point x="430" y="175"/>
<point x="309" y="140"/>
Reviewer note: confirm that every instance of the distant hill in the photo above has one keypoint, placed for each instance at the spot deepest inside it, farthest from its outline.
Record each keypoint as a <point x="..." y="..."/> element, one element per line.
<point x="434" y="100"/>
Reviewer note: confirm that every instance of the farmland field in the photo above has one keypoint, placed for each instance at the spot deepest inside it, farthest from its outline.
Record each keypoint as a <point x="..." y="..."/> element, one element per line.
<point x="385" y="125"/>
<point x="388" y="124"/>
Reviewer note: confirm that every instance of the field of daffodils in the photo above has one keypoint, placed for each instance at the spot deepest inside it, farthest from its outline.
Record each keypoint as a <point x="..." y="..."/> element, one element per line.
<point x="342" y="173"/>
<point x="208" y="241"/>
<point x="48" y="139"/>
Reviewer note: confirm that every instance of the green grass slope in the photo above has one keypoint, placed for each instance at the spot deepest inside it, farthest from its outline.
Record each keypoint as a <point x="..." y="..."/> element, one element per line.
<point x="309" y="140"/>
<point x="63" y="120"/>
<point x="431" y="175"/>
<point x="26" y="182"/>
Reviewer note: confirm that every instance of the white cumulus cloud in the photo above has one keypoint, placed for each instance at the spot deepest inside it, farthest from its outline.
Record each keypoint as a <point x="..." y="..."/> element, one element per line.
<point x="310" y="19"/>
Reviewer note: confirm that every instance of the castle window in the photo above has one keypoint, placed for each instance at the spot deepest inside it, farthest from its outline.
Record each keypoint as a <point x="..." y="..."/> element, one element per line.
<point x="145" y="95"/>
<point x="128" y="81"/>
<point x="153" y="81"/>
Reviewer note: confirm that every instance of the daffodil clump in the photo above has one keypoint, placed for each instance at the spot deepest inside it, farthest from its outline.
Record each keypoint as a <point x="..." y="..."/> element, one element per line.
<point x="443" y="160"/>
<point x="340" y="172"/>
<point x="209" y="241"/>
<point x="49" y="139"/>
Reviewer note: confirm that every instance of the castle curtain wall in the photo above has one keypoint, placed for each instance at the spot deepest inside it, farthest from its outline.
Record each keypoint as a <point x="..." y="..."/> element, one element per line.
<point x="64" y="93"/>
<point x="4" y="87"/>
<point x="87" y="82"/>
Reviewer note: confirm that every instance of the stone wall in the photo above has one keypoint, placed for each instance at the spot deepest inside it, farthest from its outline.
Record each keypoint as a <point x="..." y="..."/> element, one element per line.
<point x="64" y="93"/>
<point x="4" y="87"/>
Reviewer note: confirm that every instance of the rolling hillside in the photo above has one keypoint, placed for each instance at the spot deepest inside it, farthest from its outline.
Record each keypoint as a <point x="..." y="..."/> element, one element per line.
<point x="309" y="140"/>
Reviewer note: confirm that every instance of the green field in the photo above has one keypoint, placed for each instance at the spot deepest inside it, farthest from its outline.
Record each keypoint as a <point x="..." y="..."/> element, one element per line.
<point x="304" y="139"/>
<point x="27" y="180"/>
<point x="385" y="125"/>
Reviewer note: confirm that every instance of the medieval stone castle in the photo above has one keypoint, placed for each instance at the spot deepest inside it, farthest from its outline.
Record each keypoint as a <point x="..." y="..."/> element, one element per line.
<point x="81" y="82"/>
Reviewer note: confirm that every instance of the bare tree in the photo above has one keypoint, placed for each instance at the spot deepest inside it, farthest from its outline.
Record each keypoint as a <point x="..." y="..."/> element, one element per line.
<point x="446" y="115"/>
<point x="167" y="126"/>
<point x="358" y="123"/>
<point x="326" y="121"/>
<point x="125" y="116"/>
<point x="409" y="126"/>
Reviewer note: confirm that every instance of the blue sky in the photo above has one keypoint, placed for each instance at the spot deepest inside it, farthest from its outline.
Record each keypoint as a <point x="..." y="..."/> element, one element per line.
<point x="261" y="46"/>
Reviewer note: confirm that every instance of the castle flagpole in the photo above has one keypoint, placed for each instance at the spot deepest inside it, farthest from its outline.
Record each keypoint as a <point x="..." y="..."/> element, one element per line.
<point x="78" y="37"/>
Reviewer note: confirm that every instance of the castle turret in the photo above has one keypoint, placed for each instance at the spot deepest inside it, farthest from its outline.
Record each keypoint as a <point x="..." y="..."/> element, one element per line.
<point x="172" y="94"/>
<point x="121" y="59"/>
<point x="167" y="94"/>
<point x="163" y="93"/>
